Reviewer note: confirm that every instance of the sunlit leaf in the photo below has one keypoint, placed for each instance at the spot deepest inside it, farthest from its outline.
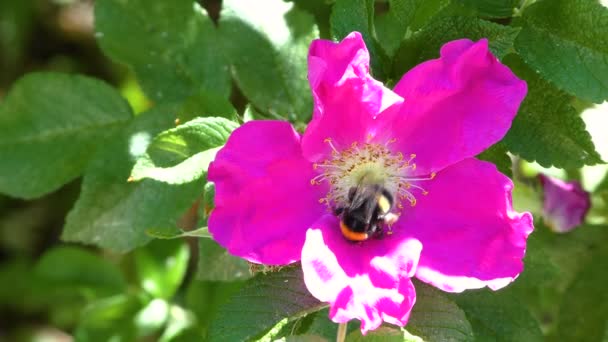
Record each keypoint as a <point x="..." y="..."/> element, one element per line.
<point x="426" y="43"/>
<point x="265" y="300"/>
<point x="566" y="41"/>
<point x="172" y="46"/>
<point x="266" y="42"/>
<point x="547" y="128"/>
<point x="183" y="154"/>
<point x="114" y="213"/>
<point x="161" y="266"/>
<point x="358" y="15"/>
<point x="404" y="15"/>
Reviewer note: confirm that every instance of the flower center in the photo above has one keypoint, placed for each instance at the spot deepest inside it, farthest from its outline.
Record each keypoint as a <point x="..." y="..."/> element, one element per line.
<point x="368" y="164"/>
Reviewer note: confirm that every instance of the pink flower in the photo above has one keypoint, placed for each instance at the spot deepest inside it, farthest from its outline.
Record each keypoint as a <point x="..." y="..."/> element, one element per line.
<point x="565" y="204"/>
<point x="278" y="193"/>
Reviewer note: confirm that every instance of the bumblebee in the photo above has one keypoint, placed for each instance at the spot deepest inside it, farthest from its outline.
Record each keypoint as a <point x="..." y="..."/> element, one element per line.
<point x="366" y="212"/>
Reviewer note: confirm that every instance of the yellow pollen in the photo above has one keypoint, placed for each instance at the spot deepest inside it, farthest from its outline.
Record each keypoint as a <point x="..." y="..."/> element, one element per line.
<point x="367" y="163"/>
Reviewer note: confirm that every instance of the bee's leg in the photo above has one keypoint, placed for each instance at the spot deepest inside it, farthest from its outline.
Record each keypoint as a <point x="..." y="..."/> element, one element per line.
<point x="376" y="231"/>
<point x="338" y="211"/>
<point x="390" y="219"/>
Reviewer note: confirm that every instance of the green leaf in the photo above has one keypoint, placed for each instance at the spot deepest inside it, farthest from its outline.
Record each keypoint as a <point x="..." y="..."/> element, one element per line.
<point x="539" y="284"/>
<point x="114" y="213"/>
<point x="207" y="203"/>
<point x="348" y="16"/>
<point x="321" y="324"/>
<point x="179" y="323"/>
<point x="303" y="338"/>
<point x="539" y="269"/>
<point x="18" y="279"/>
<point x="379" y="335"/>
<point x="358" y="15"/>
<point x="547" y="128"/>
<point x="603" y="185"/>
<point x="161" y="266"/>
<point x="178" y="233"/>
<point x="456" y="8"/>
<point x="426" y="43"/>
<point x="76" y="268"/>
<point x="267" y="50"/>
<point x="573" y="251"/>
<point x="437" y="318"/>
<point x="50" y="125"/>
<point x="17" y="18"/>
<point x="109" y="319"/>
<point x="171" y="45"/>
<point x="216" y="264"/>
<point x="403" y="16"/>
<point x="583" y="312"/>
<point x="566" y="41"/>
<point x="492" y="8"/>
<point x="497" y="154"/>
<point x="205" y="298"/>
<point x="498" y="316"/>
<point x="206" y="104"/>
<point x="264" y="300"/>
<point x="321" y="10"/>
<point x="183" y="154"/>
<point x="301" y="327"/>
<point x="152" y="317"/>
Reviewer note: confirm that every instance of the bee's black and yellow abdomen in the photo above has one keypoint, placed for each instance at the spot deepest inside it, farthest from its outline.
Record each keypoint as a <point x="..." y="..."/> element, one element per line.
<point x="352" y="235"/>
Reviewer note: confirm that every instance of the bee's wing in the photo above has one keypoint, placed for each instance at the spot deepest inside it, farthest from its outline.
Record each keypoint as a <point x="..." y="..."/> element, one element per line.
<point x="364" y="201"/>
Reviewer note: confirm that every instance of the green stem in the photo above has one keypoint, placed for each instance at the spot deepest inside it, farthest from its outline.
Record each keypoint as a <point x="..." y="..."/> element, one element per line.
<point x="341" y="335"/>
<point x="520" y="10"/>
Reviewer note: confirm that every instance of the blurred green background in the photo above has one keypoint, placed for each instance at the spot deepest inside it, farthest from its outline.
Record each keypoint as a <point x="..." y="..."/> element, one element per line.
<point x="53" y="291"/>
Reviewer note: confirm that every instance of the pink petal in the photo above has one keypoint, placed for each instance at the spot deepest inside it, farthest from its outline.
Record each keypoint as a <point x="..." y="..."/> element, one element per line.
<point x="565" y="204"/>
<point x="346" y="98"/>
<point x="369" y="281"/>
<point x="264" y="201"/>
<point x="471" y="236"/>
<point x="455" y="106"/>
